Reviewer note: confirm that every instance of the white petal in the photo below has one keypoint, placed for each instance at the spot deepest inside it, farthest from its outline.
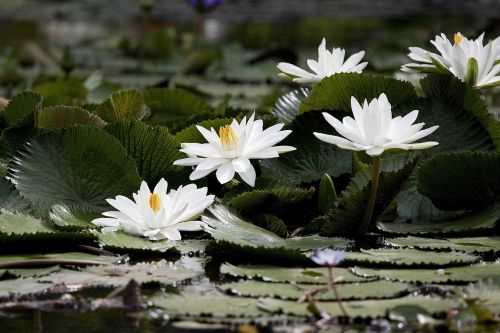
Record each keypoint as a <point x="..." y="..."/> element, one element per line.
<point x="241" y="164"/>
<point x="225" y="172"/>
<point x="249" y="176"/>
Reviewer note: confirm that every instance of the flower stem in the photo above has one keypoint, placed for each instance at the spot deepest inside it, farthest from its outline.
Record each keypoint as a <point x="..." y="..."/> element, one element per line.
<point x="331" y="283"/>
<point x="367" y="217"/>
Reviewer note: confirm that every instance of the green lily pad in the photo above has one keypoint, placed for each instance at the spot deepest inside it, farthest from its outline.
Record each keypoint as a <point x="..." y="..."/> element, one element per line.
<point x="81" y="166"/>
<point x="123" y="242"/>
<point x="334" y="92"/>
<point x="67" y="258"/>
<point x="408" y="257"/>
<point x="20" y="107"/>
<point x="162" y="272"/>
<point x="465" y="244"/>
<point x="461" y="180"/>
<point x="211" y="303"/>
<point x="289" y="274"/>
<point x="481" y="221"/>
<point x="154" y="151"/>
<point x="56" y="117"/>
<point x="347" y="291"/>
<point x="464" y="274"/>
<point x="363" y="309"/>
<point x="124" y="105"/>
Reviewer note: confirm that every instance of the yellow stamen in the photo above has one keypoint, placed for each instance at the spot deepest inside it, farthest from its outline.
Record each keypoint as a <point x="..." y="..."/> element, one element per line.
<point x="154" y="202"/>
<point x="228" y="138"/>
<point x="458" y="37"/>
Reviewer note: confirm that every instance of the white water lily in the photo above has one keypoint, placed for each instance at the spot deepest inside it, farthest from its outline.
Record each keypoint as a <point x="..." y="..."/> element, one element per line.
<point x="374" y="130"/>
<point x="467" y="59"/>
<point x="157" y="215"/>
<point x="328" y="63"/>
<point x="231" y="150"/>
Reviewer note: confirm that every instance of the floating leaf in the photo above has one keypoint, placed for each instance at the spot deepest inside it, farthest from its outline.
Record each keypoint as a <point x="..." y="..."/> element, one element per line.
<point x="466" y="244"/>
<point x="123" y="242"/>
<point x="408" y="257"/>
<point x="214" y="304"/>
<point x="67" y="258"/>
<point x="290" y="274"/>
<point x="462" y="274"/>
<point x="363" y="309"/>
<point x="124" y="105"/>
<point x="162" y="272"/>
<point x="287" y="107"/>
<point x="170" y="104"/>
<point x="347" y="291"/>
<point x="13" y="224"/>
<point x="20" y="107"/>
<point x="154" y="151"/>
<point x="56" y="117"/>
<point x="334" y="92"/>
<point x="81" y="166"/>
<point x="18" y="287"/>
<point x="461" y="180"/>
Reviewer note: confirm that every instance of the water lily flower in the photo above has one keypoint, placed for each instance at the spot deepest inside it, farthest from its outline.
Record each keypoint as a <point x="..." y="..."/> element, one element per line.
<point x="328" y="63"/>
<point x="374" y="130"/>
<point x="156" y="214"/>
<point x="231" y="150"/>
<point x="467" y="59"/>
<point x="328" y="257"/>
<point x="205" y="5"/>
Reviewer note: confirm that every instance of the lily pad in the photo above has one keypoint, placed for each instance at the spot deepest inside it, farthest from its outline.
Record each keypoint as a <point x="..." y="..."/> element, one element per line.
<point x="287" y="107"/>
<point x="363" y="309"/>
<point x="465" y="244"/>
<point x="481" y="221"/>
<point x="154" y="151"/>
<point x="408" y="257"/>
<point x="56" y="117"/>
<point x="464" y="274"/>
<point x="67" y="258"/>
<point x="123" y="242"/>
<point x="124" y="105"/>
<point x="334" y="92"/>
<point x="81" y="166"/>
<point x="162" y="272"/>
<point x="289" y="274"/>
<point x="347" y="291"/>
<point x="211" y="303"/>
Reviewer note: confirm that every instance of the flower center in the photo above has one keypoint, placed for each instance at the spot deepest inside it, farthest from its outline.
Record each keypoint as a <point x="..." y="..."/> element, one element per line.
<point x="228" y="138"/>
<point x="154" y="202"/>
<point x="458" y="37"/>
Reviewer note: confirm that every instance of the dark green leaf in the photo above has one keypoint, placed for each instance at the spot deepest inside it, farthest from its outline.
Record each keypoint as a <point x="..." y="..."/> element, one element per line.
<point x="81" y="166"/>
<point x="335" y="92"/>
<point x="461" y="180"/>
<point x="154" y="150"/>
